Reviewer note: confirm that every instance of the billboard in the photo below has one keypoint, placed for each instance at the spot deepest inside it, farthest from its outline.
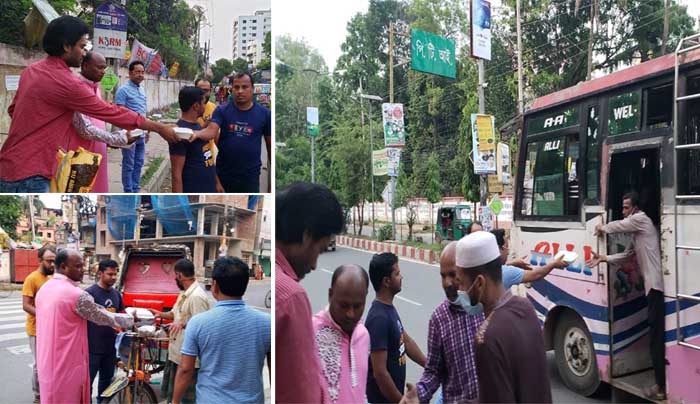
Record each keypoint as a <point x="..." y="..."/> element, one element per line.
<point x="481" y="29"/>
<point x="312" y="121"/>
<point x="380" y="162"/>
<point x="484" y="143"/>
<point x="109" y="36"/>
<point x="394" y="131"/>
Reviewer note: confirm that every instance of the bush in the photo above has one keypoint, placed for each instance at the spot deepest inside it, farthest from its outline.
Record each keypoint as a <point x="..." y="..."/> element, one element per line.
<point x="385" y="233"/>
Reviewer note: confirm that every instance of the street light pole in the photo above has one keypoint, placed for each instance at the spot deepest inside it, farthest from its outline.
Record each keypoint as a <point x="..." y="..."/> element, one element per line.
<point x="371" y="147"/>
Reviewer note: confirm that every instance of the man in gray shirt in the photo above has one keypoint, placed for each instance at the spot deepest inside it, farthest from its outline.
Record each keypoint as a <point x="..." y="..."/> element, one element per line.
<point x="646" y="249"/>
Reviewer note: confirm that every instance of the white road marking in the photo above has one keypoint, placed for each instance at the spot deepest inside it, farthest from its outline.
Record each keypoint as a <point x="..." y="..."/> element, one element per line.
<point x="12" y="318"/>
<point x="19" y="349"/>
<point x="11" y="325"/>
<point x="326" y="271"/>
<point x="407" y="300"/>
<point x="11" y="312"/>
<point x="13" y="336"/>
<point x="10" y="303"/>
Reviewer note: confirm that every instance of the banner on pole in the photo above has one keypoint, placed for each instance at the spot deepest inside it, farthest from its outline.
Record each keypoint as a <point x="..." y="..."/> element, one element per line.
<point x="394" y="131"/>
<point x="380" y="162"/>
<point x="503" y="168"/>
<point x="481" y="29"/>
<point x="483" y="143"/>
<point x="312" y="121"/>
<point x="109" y="35"/>
<point x="393" y="159"/>
<point x="433" y="54"/>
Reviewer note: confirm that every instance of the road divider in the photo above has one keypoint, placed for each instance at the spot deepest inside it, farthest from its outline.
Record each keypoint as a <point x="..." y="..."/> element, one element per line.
<point x="414" y="253"/>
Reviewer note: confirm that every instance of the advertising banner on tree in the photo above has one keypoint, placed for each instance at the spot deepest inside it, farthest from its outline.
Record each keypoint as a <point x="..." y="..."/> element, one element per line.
<point x="109" y="35"/>
<point x="312" y="121"/>
<point x="481" y="29"/>
<point x="380" y="162"/>
<point x="140" y="52"/>
<point x="394" y="132"/>
<point x="484" y="144"/>
<point x="503" y="168"/>
<point x="433" y="54"/>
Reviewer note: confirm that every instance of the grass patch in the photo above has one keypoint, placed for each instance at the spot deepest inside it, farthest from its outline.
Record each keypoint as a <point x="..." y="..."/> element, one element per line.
<point x="428" y="246"/>
<point x="151" y="167"/>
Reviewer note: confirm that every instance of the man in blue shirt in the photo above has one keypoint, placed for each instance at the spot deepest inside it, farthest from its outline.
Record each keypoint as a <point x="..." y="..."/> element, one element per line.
<point x="132" y="95"/>
<point x="238" y="128"/>
<point x="518" y="271"/>
<point x="231" y="341"/>
<point x="101" y="338"/>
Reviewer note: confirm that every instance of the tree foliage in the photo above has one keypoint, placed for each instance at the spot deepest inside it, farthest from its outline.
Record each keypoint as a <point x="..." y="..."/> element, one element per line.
<point x="10" y="212"/>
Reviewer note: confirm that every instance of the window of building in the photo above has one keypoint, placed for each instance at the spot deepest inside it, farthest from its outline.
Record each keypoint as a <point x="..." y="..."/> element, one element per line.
<point x="659" y="102"/>
<point x="550" y="181"/>
<point x="244" y="21"/>
<point x="103" y="238"/>
<point x="254" y="21"/>
<point x="244" y="34"/>
<point x="254" y="34"/>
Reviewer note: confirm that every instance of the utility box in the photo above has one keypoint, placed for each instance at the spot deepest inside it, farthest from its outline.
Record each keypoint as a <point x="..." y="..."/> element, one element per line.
<point x="22" y="263"/>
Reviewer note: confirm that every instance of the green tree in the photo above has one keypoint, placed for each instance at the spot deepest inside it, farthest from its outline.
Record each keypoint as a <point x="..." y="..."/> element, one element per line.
<point x="265" y="63"/>
<point x="239" y="65"/>
<point x="10" y="212"/>
<point x="221" y="68"/>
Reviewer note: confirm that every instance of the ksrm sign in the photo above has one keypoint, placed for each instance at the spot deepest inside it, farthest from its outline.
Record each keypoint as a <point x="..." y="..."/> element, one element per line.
<point x="110" y="31"/>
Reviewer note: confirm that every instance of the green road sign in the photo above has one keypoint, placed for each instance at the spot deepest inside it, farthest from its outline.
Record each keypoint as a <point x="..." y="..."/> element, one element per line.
<point x="496" y="205"/>
<point x="433" y="54"/>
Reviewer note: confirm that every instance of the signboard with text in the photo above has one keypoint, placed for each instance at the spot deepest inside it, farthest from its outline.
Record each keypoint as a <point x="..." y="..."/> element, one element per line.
<point x="433" y="54"/>
<point x="481" y="29"/>
<point x="380" y="162"/>
<point x="394" y="131"/>
<point x="393" y="157"/>
<point x="484" y="143"/>
<point x="109" y="36"/>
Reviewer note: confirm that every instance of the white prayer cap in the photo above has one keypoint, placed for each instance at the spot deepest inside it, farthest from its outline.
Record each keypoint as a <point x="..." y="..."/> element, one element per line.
<point x="477" y="249"/>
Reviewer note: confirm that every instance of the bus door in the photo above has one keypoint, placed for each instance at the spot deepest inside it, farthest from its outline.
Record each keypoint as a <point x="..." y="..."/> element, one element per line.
<point x="629" y="170"/>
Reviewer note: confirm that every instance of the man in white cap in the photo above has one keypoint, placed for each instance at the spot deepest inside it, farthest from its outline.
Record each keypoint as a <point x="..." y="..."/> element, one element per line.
<point x="506" y="371"/>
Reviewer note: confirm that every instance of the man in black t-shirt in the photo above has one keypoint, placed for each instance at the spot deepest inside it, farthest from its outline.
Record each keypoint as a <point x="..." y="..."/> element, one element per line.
<point x="192" y="162"/>
<point x="101" y="338"/>
<point x="389" y="342"/>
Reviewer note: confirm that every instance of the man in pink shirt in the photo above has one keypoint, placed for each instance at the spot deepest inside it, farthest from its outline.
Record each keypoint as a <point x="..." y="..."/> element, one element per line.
<point x="342" y="339"/>
<point x="62" y="312"/>
<point x="42" y="110"/>
<point x="306" y="217"/>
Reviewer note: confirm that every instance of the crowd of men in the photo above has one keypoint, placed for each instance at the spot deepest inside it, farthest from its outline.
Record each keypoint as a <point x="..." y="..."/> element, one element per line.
<point x="73" y="114"/>
<point x="72" y="333"/>
<point x="484" y="343"/>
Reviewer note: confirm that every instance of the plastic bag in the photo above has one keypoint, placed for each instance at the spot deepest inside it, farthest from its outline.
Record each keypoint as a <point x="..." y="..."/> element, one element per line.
<point x="76" y="171"/>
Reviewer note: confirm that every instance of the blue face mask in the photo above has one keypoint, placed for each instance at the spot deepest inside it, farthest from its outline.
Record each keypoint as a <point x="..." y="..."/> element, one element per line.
<point x="464" y="301"/>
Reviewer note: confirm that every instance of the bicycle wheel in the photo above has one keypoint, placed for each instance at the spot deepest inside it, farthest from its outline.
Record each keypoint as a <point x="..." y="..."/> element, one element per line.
<point x="143" y="394"/>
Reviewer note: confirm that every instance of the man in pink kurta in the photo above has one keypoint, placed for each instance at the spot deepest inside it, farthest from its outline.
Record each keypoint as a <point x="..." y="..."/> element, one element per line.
<point x="307" y="215"/>
<point x="91" y="72"/>
<point x="342" y="339"/>
<point x="62" y="312"/>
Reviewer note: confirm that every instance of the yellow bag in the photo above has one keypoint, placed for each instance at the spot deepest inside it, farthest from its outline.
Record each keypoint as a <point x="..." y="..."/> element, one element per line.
<point x="76" y="171"/>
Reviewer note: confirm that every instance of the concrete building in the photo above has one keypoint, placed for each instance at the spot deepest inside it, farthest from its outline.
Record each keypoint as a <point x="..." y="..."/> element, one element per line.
<point x="220" y="225"/>
<point x="249" y="31"/>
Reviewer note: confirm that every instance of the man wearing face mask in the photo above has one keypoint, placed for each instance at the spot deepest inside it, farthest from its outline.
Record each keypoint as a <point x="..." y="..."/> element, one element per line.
<point x="191" y="301"/>
<point x="451" y="332"/>
<point x="389" y="341"/>
<point x="343" y="341"/>
<point x="32" y="283"/>
<point x="306" y="217"/>
<point x="506" y="371"/>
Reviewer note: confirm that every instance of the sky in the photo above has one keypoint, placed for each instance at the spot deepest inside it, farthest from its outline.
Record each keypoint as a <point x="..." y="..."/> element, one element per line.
<point x="328" y="30"/>
<point x="54" y="200"/>
<point x="221" y="14"/>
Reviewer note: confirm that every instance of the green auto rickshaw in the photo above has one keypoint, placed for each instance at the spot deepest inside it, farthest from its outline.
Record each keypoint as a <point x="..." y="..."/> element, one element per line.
<point x="452" y="222"/>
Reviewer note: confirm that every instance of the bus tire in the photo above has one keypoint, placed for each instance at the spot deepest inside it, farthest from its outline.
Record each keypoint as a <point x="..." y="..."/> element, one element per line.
<point x="575" y="355"/>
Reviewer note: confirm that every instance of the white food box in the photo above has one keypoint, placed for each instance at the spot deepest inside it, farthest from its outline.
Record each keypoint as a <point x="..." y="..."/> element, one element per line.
<point x="567" y="256"/>
<point x="183" y="133"/>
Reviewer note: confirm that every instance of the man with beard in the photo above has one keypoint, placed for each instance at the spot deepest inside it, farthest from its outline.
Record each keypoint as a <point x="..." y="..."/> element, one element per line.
<point x="62" y="311"/>
<point x="101" y="338"/>
<point x="306" y="217"/>
<point x="389" y="341"/>
<point x="32" y="283"/>
<point x="42" y="110"/>
<point x="507" y="372"/>
<point x="191" y="301"/>
<point x="343" y="342"/>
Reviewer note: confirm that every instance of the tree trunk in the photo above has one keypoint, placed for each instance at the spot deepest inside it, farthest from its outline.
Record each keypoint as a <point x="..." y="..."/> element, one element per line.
<point x="361" y="216"/>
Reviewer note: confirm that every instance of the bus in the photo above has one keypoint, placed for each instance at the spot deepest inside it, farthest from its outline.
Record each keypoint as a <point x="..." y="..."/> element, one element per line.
<point x="581" y="150"/>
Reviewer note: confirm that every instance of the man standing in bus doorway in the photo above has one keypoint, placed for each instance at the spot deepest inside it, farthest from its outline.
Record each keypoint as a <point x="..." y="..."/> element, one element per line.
<point x="645" y="248"/>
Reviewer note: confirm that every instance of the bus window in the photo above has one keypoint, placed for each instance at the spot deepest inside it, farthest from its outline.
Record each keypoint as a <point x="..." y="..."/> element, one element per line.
<point x="623" y="113"/>
<point x="659" y="101"/>
<point x="550" y="182"/>
<point x="592" y="156"/>
<point x="689" y="159"/>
